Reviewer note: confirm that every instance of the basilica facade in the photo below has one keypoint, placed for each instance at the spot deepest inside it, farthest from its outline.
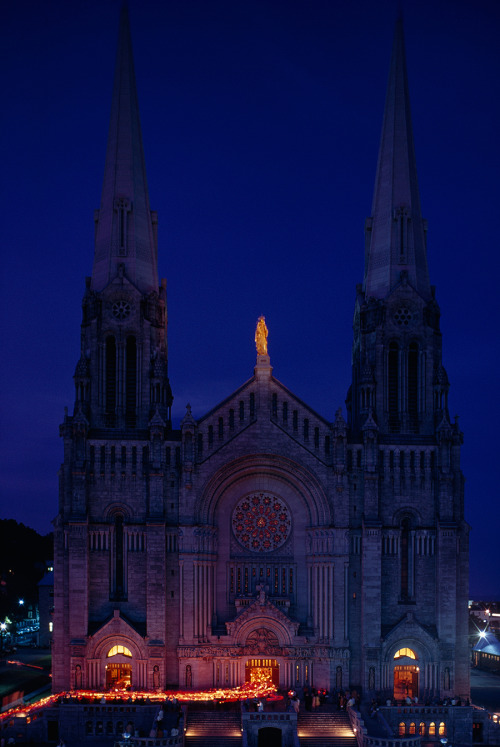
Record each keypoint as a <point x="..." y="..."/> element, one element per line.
<point x="261" y="537"/>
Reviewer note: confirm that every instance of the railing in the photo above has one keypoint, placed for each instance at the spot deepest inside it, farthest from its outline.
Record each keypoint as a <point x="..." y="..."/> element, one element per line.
<point x="152" y="741"/>
<point x="269" y="716"/>
<point x="421" y="710"/>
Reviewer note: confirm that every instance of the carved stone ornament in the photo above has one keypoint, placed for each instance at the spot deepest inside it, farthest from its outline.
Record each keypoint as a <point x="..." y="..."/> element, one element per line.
<point x="121" y="309"/>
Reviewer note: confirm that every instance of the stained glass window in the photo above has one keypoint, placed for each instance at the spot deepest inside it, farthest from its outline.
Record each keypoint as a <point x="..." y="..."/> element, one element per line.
<point x="261" y="522"/>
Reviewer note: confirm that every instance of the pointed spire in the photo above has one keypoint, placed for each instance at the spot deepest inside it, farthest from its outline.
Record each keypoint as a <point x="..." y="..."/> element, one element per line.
<point x="395" y="233"/>
<point x="125" y="226"/>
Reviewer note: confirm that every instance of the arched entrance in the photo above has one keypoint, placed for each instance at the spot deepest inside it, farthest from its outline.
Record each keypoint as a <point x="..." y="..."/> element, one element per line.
<point x="119" y="670"/>
<point x="262" y="670"/>
<point x="405" y="674"/>
<point x="118" y="675"/>
<point x="270" y="736"/>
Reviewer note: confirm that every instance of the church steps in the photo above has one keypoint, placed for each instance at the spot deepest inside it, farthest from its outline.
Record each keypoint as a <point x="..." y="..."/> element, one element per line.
<point x="206" y="729"/>
<point x="325" y="730"/>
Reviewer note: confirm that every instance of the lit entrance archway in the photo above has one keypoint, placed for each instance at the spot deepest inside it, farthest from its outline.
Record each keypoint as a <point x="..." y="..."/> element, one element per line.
<point x="405" y="675"/>
<point x="118" y="675"/>
<point x="259" y="670"/>
<point x="119" y="671"/>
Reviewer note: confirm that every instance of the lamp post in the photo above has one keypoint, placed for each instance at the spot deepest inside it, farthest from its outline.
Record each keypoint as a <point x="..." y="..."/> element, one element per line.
<point x="3" y="628"/>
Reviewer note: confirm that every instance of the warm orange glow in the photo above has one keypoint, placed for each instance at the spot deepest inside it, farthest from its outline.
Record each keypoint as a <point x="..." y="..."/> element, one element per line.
<point x="405" y="652"/>
<point x="22" y="664"/>
<point x="119" y="650"/>
<point x="259" y="688"/>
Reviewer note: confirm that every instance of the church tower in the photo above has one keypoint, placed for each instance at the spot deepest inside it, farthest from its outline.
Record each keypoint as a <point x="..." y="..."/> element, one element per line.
<point x="406" y="485"/>
<point x="115" y="482"/>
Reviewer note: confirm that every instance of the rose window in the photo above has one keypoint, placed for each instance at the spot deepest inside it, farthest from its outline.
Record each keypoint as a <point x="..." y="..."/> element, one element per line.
<point x="403" y="316"/>
<point x="261" y="522"/>
<point x="121" y="310"/>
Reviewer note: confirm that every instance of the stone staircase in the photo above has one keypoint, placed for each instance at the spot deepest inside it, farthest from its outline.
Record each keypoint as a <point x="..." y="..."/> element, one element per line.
<point x="325" y="729"/>
<point x="209" y="729"/>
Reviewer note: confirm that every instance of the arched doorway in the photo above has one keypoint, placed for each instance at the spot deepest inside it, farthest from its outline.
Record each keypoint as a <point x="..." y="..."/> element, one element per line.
<point x="119" y="670"/>
<point x="262" y="670"/>
<point x="118" y="675"/>
<point x="270" y="736"/>
<point x="405" y="674"/>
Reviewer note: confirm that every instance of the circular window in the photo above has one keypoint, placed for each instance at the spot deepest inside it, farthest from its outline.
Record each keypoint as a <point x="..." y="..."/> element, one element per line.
<point x="261" y="522"/>
<point x="403" y="316"/>
<point x="120" y="309"/>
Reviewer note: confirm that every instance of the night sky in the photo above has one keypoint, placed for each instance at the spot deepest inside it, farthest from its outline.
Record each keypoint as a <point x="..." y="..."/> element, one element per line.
<point x="261" y="122"/>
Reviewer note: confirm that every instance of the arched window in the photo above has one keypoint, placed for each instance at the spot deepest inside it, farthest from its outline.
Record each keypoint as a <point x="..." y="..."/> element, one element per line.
<point x="421" y="729"/>
<point x="110" y="399"/>
<point x="405" y="652"/>
<point x="131" y="382"/>
<point x="393" y="387"/>
<point x="402" y="728"/>
<point x="119" y="560"/>
<point x="432" y="729"/>
<point x="405" y="558"/>
<point x="123" y="650"/>
<point x="412" y="729"/>
<point x="306" y="429"/>
<point x="442" y="729"/>
<point x="413" y="387"/>
<point x="285" y="412"/>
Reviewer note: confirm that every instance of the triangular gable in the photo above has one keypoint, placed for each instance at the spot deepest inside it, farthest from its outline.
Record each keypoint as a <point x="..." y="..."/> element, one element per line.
<point x="262" y="613"/>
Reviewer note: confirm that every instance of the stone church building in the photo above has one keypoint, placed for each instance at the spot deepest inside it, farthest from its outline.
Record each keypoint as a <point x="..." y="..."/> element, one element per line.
<point x="325" y="550"/>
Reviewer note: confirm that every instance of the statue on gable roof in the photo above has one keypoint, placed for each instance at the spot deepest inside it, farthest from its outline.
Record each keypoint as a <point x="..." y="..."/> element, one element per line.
<point x="261" y="336"/>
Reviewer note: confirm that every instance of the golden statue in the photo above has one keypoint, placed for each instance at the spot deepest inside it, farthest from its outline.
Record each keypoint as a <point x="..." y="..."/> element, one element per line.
<point x="261" y="336"/>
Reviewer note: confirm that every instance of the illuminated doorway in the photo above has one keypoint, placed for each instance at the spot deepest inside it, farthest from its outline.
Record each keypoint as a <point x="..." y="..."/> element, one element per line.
<point x="405" y="681"/>
<point x="118" y="675"/>
<point x="262" y="670"/>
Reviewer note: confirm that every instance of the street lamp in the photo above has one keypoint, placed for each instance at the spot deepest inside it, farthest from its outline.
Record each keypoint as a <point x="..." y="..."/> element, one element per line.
<point x="3" y="628"/>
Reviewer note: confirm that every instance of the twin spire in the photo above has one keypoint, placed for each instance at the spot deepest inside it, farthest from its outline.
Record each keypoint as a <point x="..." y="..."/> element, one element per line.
<point x="395" y="232"/>
<point x="125" y="226"/>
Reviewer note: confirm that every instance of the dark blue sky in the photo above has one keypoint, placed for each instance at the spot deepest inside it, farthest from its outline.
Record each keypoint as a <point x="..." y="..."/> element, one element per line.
<point x="261" y="122"/>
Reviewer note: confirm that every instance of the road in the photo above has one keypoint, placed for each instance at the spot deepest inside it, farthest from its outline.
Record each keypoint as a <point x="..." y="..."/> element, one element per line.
<point x="485" y="690"/>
